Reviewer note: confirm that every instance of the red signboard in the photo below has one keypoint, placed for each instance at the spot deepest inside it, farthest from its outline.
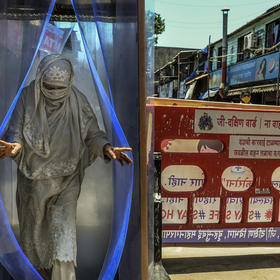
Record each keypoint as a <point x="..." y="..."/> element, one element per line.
<point x="220" y="171"/>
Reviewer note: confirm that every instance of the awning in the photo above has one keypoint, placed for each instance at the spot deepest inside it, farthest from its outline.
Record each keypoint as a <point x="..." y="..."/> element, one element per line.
<point x="197" y="78"/>
<point x="238" y="91"/>
<point x="255" y="89"/>
<point x="265" y="89"/>
<point x="212" y="93"/>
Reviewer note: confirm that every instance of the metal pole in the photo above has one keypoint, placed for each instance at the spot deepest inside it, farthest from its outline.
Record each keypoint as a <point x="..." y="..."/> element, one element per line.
<point x="159" y="271"/>
<point x="208" y="67"/>
<point x="179" y="76"/>
<point x="277" y="92"/>
<point x="224" y="51"/>
<point x="143" y="140"/>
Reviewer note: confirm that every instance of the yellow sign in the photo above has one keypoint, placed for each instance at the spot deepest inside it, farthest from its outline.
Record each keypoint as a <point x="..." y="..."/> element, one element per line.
<point x="246" y="99"/>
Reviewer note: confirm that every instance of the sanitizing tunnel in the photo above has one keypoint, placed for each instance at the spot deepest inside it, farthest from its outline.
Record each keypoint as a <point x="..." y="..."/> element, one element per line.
<point x="100" y="39"/>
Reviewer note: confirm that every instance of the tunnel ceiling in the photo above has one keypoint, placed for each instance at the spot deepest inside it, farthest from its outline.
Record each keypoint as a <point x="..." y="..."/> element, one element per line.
<point x="63" y="11"/>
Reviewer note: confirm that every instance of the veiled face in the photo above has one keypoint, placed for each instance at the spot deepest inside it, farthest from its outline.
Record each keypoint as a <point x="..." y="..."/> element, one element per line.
<point x="57" y="75"/>
<point x="54" y="77"/>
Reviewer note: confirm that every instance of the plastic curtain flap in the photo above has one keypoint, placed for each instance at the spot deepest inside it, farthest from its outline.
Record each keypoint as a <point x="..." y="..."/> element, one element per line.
<point x="95" y="45"/>
<point x="123" y="176"/>
<point x="20" y="41"/>
<point x="101" y="30"/>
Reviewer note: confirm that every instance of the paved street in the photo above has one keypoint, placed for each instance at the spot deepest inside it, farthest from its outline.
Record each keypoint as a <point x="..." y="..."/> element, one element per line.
<point x="222" y="263"/>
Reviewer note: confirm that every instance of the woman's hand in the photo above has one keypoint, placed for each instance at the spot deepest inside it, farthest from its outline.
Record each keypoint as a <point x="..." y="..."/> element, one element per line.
<point x="117" y="154"/>
<point x="9" y="149"/>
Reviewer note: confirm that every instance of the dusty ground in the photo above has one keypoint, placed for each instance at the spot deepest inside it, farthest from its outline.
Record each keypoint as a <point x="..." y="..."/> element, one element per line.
<point x="222" y="263"/>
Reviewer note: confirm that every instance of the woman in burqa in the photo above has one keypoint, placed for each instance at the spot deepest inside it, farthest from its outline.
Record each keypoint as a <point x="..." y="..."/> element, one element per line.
<point x="53" y="136"/>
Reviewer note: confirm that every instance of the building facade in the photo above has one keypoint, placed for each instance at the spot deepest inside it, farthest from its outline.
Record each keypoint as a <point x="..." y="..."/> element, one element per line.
<point x="252" y="66"/>
<point x="252" y="60"/>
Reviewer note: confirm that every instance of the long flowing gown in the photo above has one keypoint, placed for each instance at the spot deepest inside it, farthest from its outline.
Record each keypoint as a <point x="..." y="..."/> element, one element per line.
<point x="58" y="141"/>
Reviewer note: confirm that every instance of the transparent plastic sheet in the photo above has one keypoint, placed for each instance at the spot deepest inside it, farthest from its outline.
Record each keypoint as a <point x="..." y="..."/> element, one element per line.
<point x="149" y="26"/>
<point x="94" y="210"/>
<point x="95" y="203"/>
<point x="123" y="176"/>
<point x="90" y="30"/>
<point x="125" y="90"/>
<point x="20" y="36"/>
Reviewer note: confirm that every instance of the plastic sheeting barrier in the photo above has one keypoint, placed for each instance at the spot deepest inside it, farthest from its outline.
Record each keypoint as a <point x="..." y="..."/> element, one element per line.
<point x="12" y="257"/>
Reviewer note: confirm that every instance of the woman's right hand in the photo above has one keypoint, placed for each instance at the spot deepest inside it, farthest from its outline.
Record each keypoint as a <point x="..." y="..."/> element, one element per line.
<point x="9" y="149"/>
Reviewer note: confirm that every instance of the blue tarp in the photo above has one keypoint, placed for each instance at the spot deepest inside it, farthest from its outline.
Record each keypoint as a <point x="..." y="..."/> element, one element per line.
<point x="194" y="73"/>
<point x="212" y="93"/>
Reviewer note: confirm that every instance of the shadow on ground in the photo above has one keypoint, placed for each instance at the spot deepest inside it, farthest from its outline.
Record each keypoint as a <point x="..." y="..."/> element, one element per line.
<point x="223" y="263"/>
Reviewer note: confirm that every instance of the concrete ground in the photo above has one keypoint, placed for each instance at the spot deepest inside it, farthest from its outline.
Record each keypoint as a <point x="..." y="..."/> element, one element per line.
<point x="222" y="263"/>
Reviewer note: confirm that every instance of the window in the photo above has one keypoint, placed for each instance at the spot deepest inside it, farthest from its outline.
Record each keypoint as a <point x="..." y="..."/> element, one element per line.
<point x="260" y="38"/>
<point x="260" y="41"/>
<point x="272" y="33"/>
<point x="244" y="55"/>
<point x="240" y="44"/>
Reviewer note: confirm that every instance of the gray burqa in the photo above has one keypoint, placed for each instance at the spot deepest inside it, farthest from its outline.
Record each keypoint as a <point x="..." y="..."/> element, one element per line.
<point x="60" y="137"/>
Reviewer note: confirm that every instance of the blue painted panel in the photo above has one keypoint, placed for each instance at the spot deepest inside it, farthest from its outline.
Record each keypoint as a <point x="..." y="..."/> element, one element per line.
<point x="259" y="69"/>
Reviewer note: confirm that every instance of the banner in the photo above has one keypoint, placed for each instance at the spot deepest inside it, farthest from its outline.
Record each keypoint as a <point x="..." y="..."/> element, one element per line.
<point x="259" y="69"/>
